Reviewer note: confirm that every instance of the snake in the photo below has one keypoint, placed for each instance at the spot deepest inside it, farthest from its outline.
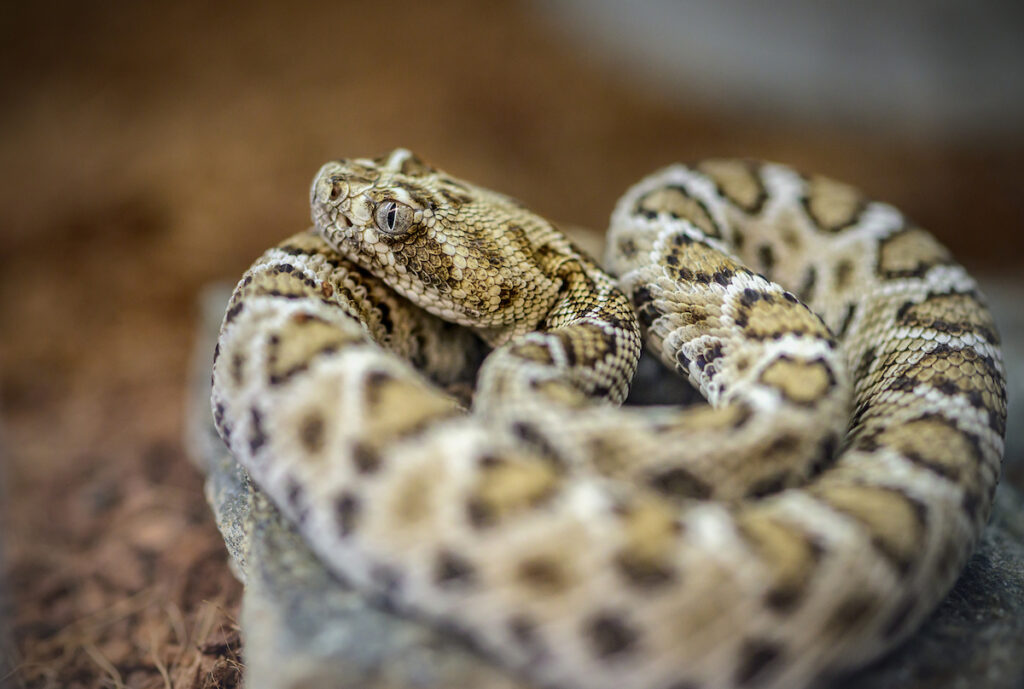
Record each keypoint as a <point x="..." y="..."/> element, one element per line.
<point x="429" y="383"/>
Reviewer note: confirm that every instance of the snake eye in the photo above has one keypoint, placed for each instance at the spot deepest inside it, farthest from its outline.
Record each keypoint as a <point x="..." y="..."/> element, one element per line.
<point x="393" y="218"/>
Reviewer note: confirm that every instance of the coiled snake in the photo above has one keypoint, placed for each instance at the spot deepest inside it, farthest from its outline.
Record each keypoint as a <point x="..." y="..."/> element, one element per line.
<point x="803" y="521"/>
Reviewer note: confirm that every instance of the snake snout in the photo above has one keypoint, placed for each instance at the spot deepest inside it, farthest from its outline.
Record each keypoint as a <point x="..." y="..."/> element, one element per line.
<point x="328" y="188"/>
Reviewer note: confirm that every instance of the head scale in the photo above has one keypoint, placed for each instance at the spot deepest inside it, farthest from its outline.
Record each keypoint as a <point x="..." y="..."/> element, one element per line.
<point x="464" y="253"/>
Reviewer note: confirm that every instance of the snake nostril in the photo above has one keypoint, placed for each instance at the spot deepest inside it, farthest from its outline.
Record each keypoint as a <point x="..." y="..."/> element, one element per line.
<point x="337" y="187"/>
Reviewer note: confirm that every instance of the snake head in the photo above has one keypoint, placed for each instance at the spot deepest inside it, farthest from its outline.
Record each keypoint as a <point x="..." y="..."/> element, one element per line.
<point x="463" y="253"/>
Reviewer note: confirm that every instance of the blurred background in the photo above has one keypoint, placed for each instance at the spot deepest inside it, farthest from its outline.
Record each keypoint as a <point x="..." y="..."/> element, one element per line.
<point x="147" y="150"/>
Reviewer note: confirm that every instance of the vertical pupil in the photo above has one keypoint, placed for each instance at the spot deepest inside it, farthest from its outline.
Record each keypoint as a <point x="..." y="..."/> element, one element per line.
<point x="392" y="213"/>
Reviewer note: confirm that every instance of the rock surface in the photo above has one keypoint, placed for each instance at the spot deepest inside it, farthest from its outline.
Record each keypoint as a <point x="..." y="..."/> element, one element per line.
<point x="303" y="627"/>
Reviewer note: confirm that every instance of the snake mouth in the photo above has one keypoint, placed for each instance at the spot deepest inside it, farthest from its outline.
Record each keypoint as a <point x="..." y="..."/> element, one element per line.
<point x="325" y="217"/>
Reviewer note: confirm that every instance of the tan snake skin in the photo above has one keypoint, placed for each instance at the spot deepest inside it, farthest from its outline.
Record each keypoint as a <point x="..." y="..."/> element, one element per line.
<point x="802" y="522"/>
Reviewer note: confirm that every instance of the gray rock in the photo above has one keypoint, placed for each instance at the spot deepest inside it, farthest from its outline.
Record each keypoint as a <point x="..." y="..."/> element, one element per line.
<point x="304" y="628"/>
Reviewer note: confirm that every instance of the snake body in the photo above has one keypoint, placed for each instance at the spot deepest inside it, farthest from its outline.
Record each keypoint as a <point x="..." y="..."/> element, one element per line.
<point x="801" y="522"/>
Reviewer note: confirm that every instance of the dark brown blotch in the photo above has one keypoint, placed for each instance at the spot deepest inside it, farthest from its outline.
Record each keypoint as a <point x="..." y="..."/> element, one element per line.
<point x="644" y="573"/>
<point x="806" y="289"/>
<point x="866" y="361"/>
<point x="257" y="436"/>
<point x="842" y="274"/>
<point x="851" y="614"/>
<point x="366" y="459"/>
<point x="769" y="485"/>
<point x="535" y="439"/>
<point x="233" y="312"/>
<point x="543" y="573"/>
<point x="311" y="433"/>
<point x="610" y="636"/>
<point x="453" y="570"/>
<point x="480" y="514"/>
<point x="346" y="512"/>
<point x="237" y="368"/>
<point x="678" y="482"/>
<point x="758" y="658"/>
<point x="844" y="325"/>
<point x="375" y="381"/>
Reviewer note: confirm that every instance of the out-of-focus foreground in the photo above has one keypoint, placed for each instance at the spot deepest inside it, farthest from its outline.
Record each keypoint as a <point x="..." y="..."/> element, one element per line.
<point x="149" y="149"/>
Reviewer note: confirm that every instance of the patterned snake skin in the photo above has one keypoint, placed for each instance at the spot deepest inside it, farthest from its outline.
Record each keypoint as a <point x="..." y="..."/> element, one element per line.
<point x="803" y="521"/>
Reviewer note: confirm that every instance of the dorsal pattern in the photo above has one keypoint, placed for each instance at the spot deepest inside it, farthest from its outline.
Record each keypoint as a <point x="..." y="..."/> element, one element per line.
<point x="427" y="383"/>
